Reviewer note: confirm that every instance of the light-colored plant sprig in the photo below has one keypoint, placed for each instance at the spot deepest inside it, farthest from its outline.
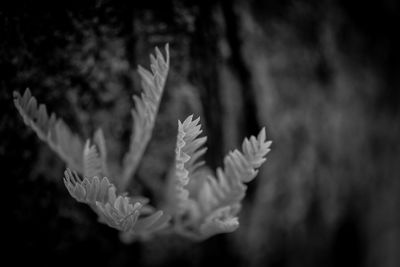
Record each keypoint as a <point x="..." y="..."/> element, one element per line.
<point x="205" y="205"/>
<point x="145" y="112"/>
<point x="198" y="204"/>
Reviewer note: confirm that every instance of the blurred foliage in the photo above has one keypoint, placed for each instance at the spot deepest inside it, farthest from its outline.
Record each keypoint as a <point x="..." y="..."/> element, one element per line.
<point x="323" y="77"/>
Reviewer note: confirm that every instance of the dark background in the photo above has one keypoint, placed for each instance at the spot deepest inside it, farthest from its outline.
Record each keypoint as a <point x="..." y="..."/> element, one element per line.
<point x="322" y="76"/>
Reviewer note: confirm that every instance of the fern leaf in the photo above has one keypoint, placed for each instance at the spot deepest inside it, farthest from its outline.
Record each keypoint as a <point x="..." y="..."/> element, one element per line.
<point x="239" y="168"/>
<point x="100" y="143"/>
<point x="117" y="211"/>
<point x="218" y="198"/>
<point x="51" y="130"/>
<point x="211" y="203"/>
<point x="255" y="149"/>
<point x="189" y="148"/>
<point x="144" y="114"/>
<point x="92" y="164"/>
<point x="90" y="189"/>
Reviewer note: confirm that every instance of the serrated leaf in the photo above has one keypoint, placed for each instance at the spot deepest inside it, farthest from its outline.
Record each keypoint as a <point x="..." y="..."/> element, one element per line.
<point x="146" y="108"/>
<point x="51" y="130"/>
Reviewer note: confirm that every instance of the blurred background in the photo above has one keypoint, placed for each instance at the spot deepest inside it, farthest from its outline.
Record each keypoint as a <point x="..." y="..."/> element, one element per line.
<point x="322" y="76"/>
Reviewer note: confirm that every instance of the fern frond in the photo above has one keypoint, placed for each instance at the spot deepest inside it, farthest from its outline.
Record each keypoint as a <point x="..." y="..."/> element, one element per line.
<point x="89" y="190"/>
<point x="189" y="143"/>
<point x="117" y="211"/>
<point x="92" y="164"/>
<point x="189" y="148"/>
<point x="218" y="199"/>
<point x="228" y="187"/>
<point x="100" y="142"/>
<point x="202" y="203"/>
<point x="255" y="150"/>
<point x="145" y="111"/>
<point x="51" y="130"/>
